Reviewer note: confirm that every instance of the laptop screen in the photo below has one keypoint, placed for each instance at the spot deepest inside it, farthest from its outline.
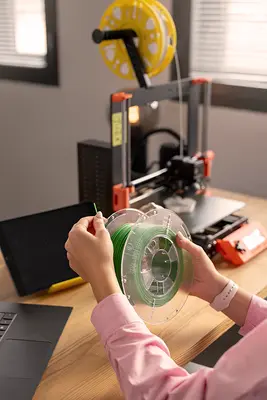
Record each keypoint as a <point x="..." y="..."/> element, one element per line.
<point x="33" y="247"/>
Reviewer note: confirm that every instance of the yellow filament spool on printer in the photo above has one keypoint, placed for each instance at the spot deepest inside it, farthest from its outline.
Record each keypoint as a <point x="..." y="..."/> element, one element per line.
<point x="156" y="36"/>
<point x="170" y="32"/>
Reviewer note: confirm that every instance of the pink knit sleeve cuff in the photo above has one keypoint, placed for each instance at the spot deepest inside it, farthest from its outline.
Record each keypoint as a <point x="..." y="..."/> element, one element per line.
<point x="257" y="313"/>
<point x="113" y="313"/>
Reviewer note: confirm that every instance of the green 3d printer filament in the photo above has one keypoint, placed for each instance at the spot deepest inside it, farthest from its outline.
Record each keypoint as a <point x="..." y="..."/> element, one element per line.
<point x="153" y="272"/>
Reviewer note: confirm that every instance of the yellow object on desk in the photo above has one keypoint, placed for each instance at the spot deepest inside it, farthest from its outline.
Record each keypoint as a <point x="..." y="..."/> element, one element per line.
<point x="58" y="287"/>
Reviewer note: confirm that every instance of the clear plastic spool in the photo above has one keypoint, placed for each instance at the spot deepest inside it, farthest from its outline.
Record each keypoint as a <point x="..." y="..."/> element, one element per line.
<point x="156" y="274"/>
<point x="122" y="217"/>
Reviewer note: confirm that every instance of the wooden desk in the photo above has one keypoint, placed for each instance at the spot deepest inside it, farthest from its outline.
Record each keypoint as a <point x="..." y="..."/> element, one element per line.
<point x="79" y="369"/>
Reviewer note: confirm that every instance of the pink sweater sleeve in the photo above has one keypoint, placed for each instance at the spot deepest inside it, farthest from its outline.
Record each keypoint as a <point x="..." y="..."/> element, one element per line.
<point x="146" y="371"/>
<point x="257" y="313"/>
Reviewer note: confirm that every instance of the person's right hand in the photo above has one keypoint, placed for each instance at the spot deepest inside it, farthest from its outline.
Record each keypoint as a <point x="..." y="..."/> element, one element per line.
<point x="208" y="283"/>
<point x="91" y="256"/>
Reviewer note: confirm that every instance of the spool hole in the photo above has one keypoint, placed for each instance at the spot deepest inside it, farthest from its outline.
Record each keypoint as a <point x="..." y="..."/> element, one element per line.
<point x="161" y="265"/>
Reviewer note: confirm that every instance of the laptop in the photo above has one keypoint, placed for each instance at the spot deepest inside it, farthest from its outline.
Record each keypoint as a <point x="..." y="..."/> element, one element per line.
<point x="28" y="336"/>
<point x="33" y="247"/>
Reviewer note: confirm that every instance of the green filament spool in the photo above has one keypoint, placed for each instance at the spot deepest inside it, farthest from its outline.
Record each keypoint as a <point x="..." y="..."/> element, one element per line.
<point x="160" y="283"/>
<point x="152" y="271"/>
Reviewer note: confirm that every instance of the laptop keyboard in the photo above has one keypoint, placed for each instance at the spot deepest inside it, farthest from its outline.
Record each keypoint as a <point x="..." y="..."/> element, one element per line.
<point x="6" y="320"/>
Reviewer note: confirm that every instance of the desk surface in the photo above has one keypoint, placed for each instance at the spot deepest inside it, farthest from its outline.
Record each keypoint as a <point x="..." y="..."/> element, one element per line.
<point x="79" y="369"/>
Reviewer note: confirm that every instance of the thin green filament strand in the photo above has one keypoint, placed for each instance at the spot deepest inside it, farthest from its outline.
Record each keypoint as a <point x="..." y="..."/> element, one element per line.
<point x="145" y="235"/>
<point x="119" y="238"/>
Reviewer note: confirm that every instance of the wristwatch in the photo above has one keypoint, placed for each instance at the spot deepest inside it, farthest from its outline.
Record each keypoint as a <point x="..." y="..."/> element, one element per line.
<point x="223" y="300"/>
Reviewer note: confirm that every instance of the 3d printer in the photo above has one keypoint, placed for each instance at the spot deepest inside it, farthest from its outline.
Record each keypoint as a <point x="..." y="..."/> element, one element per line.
<point x="105" y="170"/>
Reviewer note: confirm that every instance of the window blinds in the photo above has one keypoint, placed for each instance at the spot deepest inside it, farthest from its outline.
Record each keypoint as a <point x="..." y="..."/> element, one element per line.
<point x="229" y="39"/>
<point x="23" y="33"/>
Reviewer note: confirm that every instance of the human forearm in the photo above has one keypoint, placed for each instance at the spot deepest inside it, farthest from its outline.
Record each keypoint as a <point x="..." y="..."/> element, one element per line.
<point x="140" y="359"/>
<point x="239" y="306"/>
<point x="105" y="285"/>
<point x="145" y="370"/>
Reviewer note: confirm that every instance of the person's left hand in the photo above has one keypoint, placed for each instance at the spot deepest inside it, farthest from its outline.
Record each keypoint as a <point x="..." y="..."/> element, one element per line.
<point x="208" y="283"/>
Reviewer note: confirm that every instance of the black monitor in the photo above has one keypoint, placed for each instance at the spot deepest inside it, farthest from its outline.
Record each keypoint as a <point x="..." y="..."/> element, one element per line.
<point x="33" y="247"/>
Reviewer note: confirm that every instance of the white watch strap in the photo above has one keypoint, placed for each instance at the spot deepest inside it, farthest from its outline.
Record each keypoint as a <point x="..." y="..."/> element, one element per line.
<point x="223" y="300"/>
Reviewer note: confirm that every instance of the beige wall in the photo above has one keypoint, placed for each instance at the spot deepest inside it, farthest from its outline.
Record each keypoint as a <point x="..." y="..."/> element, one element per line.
<point x="239" y="139"/>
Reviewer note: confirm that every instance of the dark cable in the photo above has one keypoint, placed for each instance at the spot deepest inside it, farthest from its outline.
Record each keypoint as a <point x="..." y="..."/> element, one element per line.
<point x="169" y="131"/>
<point x="147" y="135"/>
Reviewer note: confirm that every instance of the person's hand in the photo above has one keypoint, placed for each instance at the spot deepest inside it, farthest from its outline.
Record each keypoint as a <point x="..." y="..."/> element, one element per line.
<point x="208" y="283"/>
<point x="91" y="256"/>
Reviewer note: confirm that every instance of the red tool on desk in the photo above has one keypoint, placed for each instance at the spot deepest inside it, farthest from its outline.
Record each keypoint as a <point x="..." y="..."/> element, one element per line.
<point x="243" y="244"/>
